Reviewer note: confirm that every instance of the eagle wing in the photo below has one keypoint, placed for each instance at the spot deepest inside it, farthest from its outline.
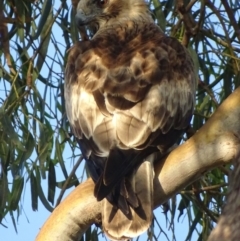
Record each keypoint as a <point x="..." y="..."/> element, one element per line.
<point x="127" y="98"/>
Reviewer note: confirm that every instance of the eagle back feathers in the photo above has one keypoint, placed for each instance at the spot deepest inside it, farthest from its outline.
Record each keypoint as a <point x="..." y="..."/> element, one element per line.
<point x="129" y="93"/>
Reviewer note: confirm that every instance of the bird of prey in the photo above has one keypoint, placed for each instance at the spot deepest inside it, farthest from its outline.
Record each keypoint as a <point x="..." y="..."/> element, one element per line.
<point x="129" y="95"/>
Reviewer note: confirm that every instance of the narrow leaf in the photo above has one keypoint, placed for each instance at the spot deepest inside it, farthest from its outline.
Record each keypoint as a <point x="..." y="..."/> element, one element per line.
<point x="47" y="6"/>
<point x="51" y="182"/>
<point x="4" y="192"/>
<point x="41" y="194"/>
<point x="17" y="188"/>
<point x="9" y="130"/>
<point x="34" y="191"/>
<point x="60" y="158"/>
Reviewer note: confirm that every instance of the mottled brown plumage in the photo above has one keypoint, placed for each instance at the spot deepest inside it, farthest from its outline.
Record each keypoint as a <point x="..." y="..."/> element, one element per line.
<point x="129" y="94"/>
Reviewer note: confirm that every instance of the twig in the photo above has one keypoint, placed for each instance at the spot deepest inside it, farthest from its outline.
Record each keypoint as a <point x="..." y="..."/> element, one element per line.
<point x="231" y="18"/>
<point x="208" y="91"/>
<point x="68" y="180"/>
<point x="204" y="189"/>
<point x="188" y="20"/>
<point x="204" y="208"/>
<point x="4" y="41"/>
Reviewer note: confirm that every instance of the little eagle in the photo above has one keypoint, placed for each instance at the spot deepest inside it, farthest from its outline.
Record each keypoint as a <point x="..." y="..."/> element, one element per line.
<point x="129" y="96"/>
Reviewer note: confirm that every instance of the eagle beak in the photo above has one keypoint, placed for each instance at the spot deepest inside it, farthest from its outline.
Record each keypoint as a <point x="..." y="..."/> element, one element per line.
<point x="81" y="18"/>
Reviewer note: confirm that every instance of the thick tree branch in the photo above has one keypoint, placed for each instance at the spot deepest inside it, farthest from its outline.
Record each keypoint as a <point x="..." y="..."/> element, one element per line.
<point x="228" y="227"/>
<point x="216" y="143"/>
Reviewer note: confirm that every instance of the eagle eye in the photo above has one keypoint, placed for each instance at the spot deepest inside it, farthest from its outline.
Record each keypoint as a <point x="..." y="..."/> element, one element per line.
<point x="102" y="3"/>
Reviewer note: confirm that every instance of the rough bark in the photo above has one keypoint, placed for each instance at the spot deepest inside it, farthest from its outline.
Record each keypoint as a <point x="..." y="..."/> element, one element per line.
<point x="216" y="143"/>
<point x="228" y="227"/>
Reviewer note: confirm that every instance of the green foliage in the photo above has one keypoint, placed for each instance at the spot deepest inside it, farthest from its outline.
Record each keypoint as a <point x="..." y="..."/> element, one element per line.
<point x="33" y="127"/>
<point x="34" y="132"/>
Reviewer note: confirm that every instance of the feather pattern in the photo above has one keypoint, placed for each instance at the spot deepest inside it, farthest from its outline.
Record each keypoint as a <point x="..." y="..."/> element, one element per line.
<point x="129" y="94"/>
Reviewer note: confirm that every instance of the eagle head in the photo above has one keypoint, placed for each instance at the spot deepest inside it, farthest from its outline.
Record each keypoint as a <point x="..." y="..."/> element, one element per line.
<point x="101" y="12"/>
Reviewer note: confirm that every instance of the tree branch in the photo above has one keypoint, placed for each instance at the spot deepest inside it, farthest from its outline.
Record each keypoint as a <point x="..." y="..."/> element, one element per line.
<point x="231" y="18"/>
<point x="216" y="143"/>
<point x="228" y="227"/>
